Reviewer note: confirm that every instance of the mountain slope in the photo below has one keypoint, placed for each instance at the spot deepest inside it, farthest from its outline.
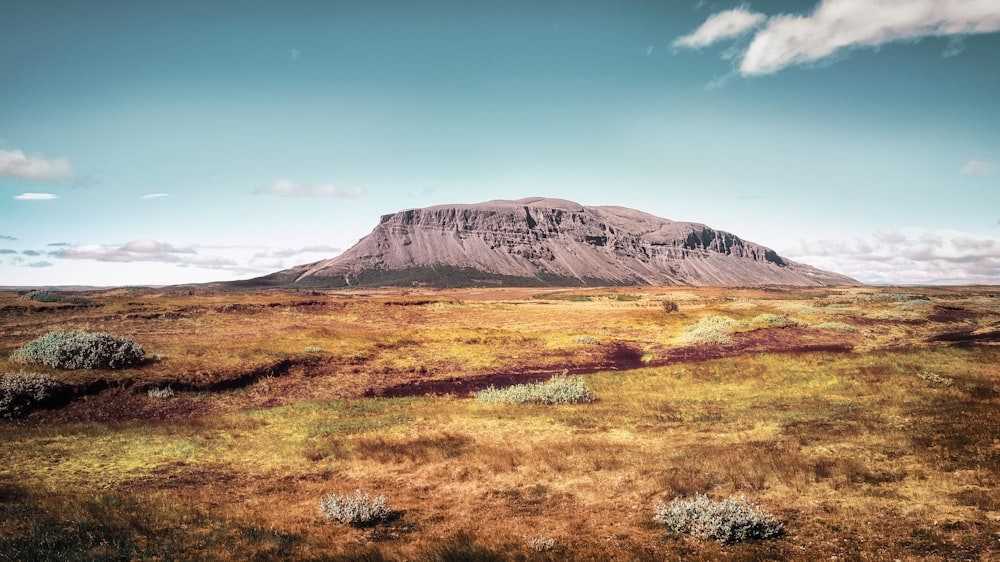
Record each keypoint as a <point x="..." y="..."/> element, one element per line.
<point x="538" y="241"/>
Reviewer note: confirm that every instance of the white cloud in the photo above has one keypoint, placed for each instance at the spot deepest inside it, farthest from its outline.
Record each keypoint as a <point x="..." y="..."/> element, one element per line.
<point x="838" y="25"/>
<point x="36" y="196"/>
<point x="912" y="256"/>
<point x="976" y="168"/>
<point x="141" y="251"/>
<point x="17" y="164"/>
<point x="237" y="262"/>
<point x="723" y="25"/>
<point x="155" y="196"/>
<point x="289" y="252"/>
<point x="294" y="54"/>
<point x="648" y="50"/>
<point x="288" y="188"/>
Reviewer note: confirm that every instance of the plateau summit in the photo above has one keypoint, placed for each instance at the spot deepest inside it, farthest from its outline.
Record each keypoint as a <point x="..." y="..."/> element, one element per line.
<point x="546" y="242"/>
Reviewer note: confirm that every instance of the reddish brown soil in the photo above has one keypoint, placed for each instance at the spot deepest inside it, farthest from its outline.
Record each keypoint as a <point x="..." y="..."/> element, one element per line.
<point x="291" y="380"/>
<point x="621" y="356"/>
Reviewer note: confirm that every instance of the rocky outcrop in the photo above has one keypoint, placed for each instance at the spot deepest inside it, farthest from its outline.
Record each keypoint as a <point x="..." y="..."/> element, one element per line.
<point x="540" y="241"/>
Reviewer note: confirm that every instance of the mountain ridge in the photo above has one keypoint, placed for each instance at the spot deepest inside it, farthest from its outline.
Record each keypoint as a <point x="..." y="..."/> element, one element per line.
<point x="540" y="241"/>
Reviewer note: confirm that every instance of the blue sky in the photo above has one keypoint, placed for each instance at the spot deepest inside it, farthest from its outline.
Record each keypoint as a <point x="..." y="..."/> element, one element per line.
<point x="169" y="142"/>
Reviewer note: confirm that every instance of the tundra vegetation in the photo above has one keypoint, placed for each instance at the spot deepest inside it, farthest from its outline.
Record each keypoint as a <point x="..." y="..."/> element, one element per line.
<point x="743" y="424"/>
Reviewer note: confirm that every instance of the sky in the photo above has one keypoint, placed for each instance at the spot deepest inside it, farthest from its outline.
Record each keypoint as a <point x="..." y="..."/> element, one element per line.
<point x="175" y="142"/>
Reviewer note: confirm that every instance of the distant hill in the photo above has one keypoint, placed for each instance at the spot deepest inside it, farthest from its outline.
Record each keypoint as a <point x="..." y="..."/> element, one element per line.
<point x="546" y="242"/>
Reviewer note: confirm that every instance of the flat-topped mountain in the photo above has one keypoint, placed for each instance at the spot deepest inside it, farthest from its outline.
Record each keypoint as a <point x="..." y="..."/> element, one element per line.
<point x="539" y="241"/>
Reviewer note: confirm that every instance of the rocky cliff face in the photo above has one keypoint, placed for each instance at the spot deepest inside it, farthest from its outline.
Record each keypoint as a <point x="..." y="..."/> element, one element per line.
<point x="539" y="241"/>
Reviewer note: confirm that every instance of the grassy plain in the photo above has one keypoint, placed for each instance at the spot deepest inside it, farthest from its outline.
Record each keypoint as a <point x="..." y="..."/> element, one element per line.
<point x="809" y="402"/>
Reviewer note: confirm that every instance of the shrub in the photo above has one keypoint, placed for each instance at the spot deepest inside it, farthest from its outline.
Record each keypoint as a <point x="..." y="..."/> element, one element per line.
<point x="585" y="340"/>
<point x="48" y="296"/>
<point x="775" y="320"/>
<point x="80" y="350"/>
<point x="927" y="376"/>
<point x="711" y="328"/>
<point x="161" y="393"/>
<point x="358" y="510"/>
<point x="560" y="389"/>
<point x="730" y="520"/>
<point x="542" y="544"/>
<point x="22" y="392"/>
<point x="839" y="326"/>
<point x="670" y="306"/>
<point x="913" y="303"/>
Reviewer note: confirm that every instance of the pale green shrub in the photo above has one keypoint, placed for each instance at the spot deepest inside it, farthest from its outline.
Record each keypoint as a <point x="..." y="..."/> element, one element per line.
<point x="797" y="308"/>
<point x="928" y="376"/>
<point x="542" y="543"/>
<point x="775" y="320"/>
<point x="358" y="510"/>
<point x="730" y="520"/>
<point x="49" y="296"/>
<point x="710" y="328"/>
<point x="22" y="392"/>
<point x="741" y="303"/>
<point x="913" y="303"/>
<point x="560" y="389"/>
<point x="160" y="393"/>
<point x="842" y="309"/>
<point x="80" y="350"/>
<point x="840" y="326"/>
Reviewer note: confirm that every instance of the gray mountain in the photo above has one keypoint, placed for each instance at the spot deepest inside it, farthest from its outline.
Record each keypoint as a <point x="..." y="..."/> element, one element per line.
<point x="539" y="242"/>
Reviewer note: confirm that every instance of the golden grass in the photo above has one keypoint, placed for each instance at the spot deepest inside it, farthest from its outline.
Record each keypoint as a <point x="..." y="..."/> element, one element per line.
<point x="859" y="456"/>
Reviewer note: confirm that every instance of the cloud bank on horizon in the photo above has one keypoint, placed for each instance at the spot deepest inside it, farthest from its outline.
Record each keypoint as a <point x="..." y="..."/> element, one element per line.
<point x="836" y="26"/>
<point x="943" y="257"/>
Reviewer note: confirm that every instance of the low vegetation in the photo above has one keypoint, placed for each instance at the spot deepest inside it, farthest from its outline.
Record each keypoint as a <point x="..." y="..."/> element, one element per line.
<point x="710" y="329"/>
<point x="936" y="379"/>
<point x="785" y="443"/>
<point x="80" y="350"/>
<point x="160" y="393"/>
<point x="730" y="520"/>
<point x="557" y="390"/>
<point x="360" y="510"/>
<point x="51" y="296"/>
<point x="22" y="392"/>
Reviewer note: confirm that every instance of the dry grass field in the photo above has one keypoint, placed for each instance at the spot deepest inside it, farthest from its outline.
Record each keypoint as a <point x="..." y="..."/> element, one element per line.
<point x="866" y="420"/>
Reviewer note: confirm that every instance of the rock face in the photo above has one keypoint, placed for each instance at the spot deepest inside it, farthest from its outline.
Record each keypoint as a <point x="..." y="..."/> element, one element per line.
<point x="538" y="241"/>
